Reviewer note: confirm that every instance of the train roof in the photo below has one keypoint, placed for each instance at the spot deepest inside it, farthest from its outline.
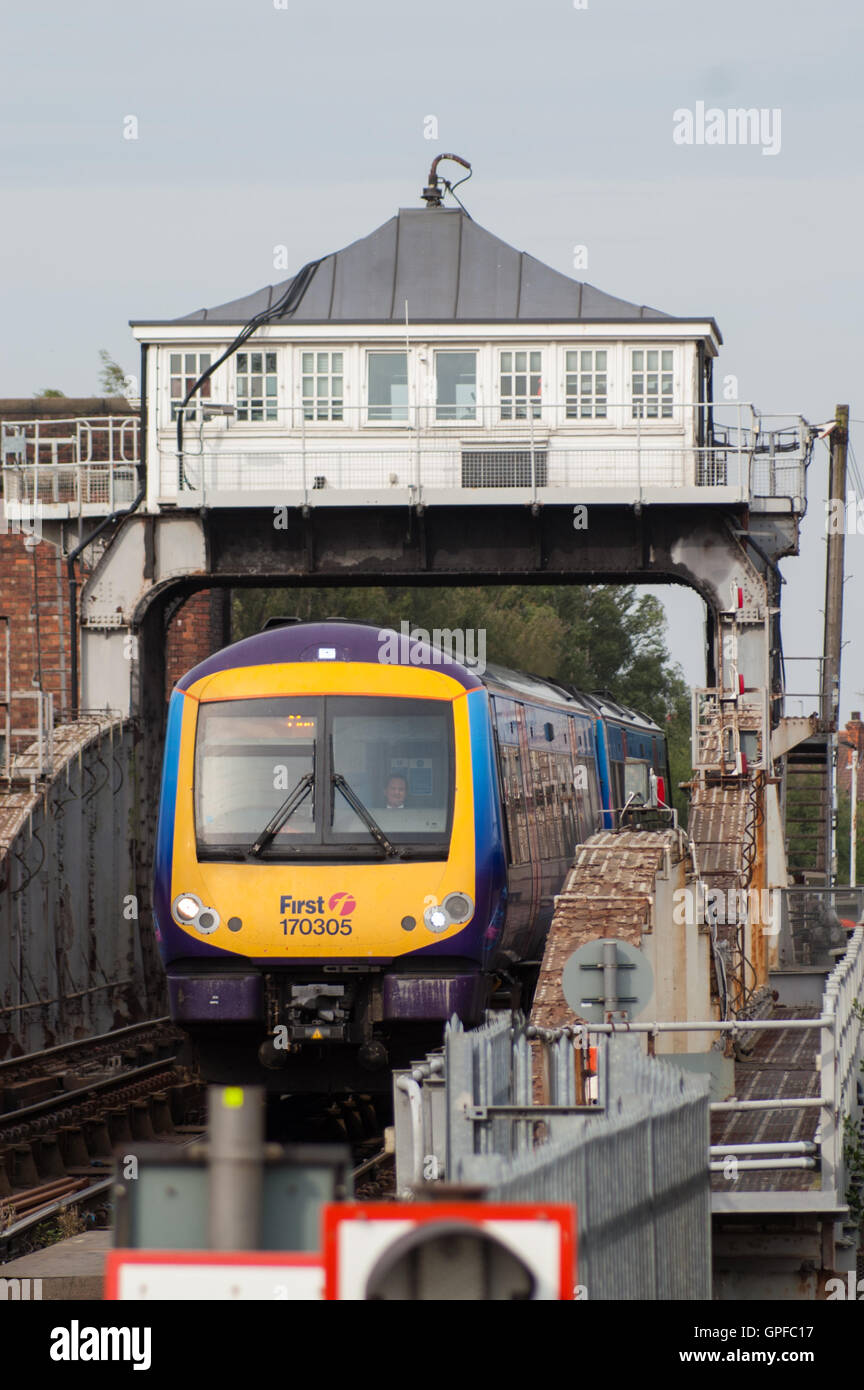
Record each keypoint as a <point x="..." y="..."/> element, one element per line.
<point x="607" y="707"/>
<point x="297" y="641"/>
<point x="520" y="683"/>
<point x="594" y="704"/>
<point x="288" y="640"/>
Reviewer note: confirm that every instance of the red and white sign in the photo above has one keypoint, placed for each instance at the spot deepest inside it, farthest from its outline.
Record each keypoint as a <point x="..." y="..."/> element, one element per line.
<point x="230" y="1275"/>
<point x="358" y="1235"/>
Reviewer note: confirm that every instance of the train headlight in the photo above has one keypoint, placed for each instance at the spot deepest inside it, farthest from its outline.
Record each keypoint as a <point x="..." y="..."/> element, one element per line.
<point x="458" y="907"/>
<point x="436" y="919"/>
<point x="186" y="907"/>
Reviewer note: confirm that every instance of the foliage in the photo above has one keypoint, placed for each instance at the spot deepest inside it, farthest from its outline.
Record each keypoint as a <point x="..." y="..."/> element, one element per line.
<point x="112" y="378"/>
<point x="596" y="637"/>
<point x="48" y="392"/>
<point x="853" y="1160"/>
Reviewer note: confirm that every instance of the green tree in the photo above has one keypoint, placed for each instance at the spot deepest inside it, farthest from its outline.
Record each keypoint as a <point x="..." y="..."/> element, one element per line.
<point x="48" y="392"/>
<point x="112" y="378"/>
<point x="596" y="637"/>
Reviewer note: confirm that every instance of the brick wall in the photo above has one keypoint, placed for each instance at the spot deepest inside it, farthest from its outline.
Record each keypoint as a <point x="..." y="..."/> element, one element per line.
<point x="28" y="574"/>
<point x="851" y="737"/>
<point x="200" y="626"/>
<point x="197" y="628"/>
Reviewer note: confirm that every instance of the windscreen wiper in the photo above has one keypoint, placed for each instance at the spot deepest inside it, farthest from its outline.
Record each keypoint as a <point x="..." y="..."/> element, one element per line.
<point x="366" y="816"/>
<point x="294" y="799"/>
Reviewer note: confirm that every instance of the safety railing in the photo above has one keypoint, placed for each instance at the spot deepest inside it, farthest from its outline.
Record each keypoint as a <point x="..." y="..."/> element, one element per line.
<point x="505" y="1091"/>
<point x="726" y="731"/>
<point x="464" y="452"/>
<point x="530" y="1116"/>
<point x="76" y="465"/>
<point x="26" y="749"/>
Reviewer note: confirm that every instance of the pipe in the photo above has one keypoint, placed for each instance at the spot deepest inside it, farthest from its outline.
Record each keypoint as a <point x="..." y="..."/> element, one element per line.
<point x="794" y="1146"/>
<point x="742" y="1164"/>
<point x="235" y="1160"/>
<point x="71" y="578"/>
<point x="411" y="1089"/>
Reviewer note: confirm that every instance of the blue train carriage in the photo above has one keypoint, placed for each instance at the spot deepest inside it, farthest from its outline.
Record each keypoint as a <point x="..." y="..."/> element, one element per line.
<point x="633" y="758"/>
<point x="352" y="848"/>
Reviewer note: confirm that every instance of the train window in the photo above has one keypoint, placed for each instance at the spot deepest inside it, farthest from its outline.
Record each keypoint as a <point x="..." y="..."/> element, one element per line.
<point x="636" y="780"/>
<point x="395" y="756"/>
<point x="554" y="811"/>
<point x="327" y="765"/>
<point x="587" y="805"/>
<point x="514" y="804"/>
<point x="250" y="756"/>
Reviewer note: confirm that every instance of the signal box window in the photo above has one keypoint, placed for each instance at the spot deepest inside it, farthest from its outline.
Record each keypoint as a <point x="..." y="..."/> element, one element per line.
<point x="388" y="386"/>
<point x="519" y="384"/>
<point x="456" y="385"/>
<point x="257" y="386"/>
<point x="184" y="370"/>
<point x="652" y="383"/>
<point x="323" y="385"/>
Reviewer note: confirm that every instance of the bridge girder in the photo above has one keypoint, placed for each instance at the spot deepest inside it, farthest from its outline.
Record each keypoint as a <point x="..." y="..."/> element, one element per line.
<point x="152" y="559"/>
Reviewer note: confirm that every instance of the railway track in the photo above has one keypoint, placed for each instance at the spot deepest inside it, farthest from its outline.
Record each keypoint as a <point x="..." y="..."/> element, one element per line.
<point x="66" y="1109"/>
<point x="37" y="1075"/>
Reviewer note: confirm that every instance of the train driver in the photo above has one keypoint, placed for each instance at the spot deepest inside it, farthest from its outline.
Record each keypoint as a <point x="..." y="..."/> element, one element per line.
<point x="395" y="792"/>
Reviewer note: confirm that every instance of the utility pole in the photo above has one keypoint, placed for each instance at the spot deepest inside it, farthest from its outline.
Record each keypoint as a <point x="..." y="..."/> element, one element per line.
<point x="853" y="819"/>
<point x="829" y="700"/>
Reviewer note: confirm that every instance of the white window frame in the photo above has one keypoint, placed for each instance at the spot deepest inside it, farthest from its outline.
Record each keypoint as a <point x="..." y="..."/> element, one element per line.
<point x="457" y="421"/>
<point x="329" y="349"/>
<point x="514" y="399"/>
<point x="265" y="350"/>
<point x="386" y="350"/>
<point x="643" y="420"/>
<point x="187" y="378"/>
<point x="592" y="421"/>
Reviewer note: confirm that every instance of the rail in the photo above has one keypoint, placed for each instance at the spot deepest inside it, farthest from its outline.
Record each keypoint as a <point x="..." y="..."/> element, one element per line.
<point x="534" y="451"/>
<point x="77" y="465"/>
<point x="494" y="1084"/>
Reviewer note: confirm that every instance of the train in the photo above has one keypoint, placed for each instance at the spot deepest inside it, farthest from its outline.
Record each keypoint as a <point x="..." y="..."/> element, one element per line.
<point x="359" y="837"/>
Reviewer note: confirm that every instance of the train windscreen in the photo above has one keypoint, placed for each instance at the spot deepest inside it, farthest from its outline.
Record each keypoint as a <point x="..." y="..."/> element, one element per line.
<point x="334" y="777"/>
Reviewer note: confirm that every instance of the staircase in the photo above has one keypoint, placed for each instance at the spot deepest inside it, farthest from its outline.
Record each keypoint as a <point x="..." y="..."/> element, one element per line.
<point x="807" y="795"/>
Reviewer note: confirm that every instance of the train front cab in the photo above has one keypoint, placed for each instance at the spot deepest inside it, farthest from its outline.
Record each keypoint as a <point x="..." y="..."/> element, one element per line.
<point x="317" y="949"/>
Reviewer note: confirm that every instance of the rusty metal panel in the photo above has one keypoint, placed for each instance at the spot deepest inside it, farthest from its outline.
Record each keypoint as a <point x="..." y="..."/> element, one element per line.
<point x="608" y="892"/>
<point x="717" y="823"/>
<point x="71" y="954"/>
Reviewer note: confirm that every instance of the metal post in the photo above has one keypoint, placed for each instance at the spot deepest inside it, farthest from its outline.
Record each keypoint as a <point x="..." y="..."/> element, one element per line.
<point x="303" y="454"/>
<point x="833" y="631"/>
<point x="610" y="977"/>
<point x="639" y="454"/>
<point x="853" y="819"/>
<point x="235" y="1161"/>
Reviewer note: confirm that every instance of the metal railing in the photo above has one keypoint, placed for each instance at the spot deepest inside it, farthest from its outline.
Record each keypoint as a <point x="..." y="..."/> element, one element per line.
<point x="491" y="1101"/>
<point x="812" y="934"/>
<point x="27" y="750"/>
<point x="71" y="464"/>
<point x="467" y="451"/>
<point x="533" y="1117"/>
<point x="726" y="732"/>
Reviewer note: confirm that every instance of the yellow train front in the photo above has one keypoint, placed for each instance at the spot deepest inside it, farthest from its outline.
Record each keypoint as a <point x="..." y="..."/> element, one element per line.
<point x="330" y="871"/>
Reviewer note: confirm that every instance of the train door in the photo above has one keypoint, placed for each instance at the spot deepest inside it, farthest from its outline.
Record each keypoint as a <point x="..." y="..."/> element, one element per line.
<point x="509" y="722"/>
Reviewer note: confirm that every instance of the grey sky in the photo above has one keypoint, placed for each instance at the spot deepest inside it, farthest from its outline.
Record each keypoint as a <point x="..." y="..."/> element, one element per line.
<point x="303" y="126"/>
